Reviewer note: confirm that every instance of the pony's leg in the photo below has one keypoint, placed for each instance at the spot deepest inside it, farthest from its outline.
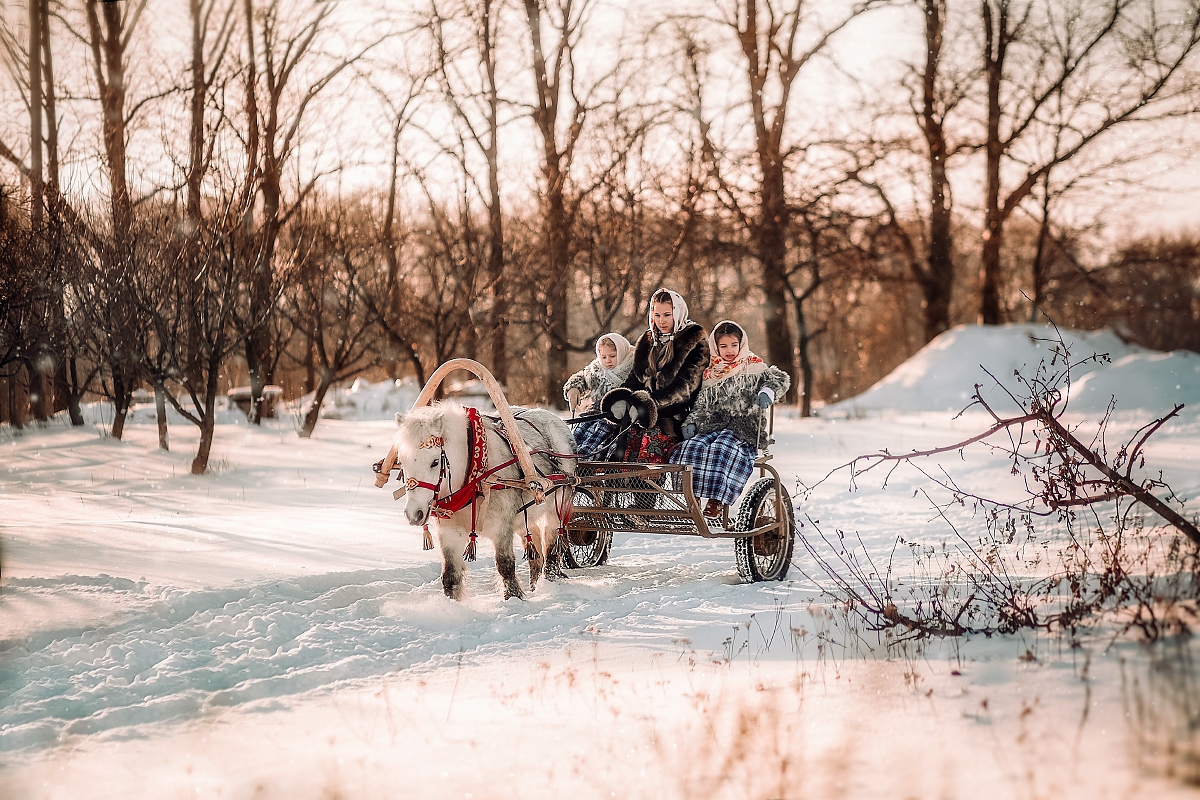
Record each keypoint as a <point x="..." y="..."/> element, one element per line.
<point x="535" y="564"/>
<point x="506" y="563"/>
<point x="547" y="532"/>
<point x="453" y="566"/>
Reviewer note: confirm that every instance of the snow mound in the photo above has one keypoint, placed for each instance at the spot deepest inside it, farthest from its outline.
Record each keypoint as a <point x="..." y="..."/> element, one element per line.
<point x="1151" y="381"/>
<point x="942" y="375"/>
<point x="364" y="400"/>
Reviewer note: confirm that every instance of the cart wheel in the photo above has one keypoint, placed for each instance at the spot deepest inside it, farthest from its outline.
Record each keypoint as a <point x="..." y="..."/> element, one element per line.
<point x="586" y="548"/>
<point x="765" y="557"/>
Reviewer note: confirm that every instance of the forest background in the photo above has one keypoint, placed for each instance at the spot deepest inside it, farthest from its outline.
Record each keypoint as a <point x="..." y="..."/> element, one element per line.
<point x="198" y="194"/>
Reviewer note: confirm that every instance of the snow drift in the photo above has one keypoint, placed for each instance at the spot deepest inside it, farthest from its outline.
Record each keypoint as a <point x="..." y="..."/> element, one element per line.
<point x="942" y="375"/>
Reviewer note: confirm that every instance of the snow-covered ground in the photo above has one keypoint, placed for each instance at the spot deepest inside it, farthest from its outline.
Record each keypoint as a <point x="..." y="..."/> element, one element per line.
<point x="274" y="630"/>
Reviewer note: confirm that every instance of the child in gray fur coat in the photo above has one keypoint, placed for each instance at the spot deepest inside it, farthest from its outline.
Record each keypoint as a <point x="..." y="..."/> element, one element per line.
<point x="584" y="390"/>
<point x="721" y="434"/>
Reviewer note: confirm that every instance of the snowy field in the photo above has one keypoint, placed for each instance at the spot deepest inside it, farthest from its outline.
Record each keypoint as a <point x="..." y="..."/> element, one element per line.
<point x="273" y="630"/>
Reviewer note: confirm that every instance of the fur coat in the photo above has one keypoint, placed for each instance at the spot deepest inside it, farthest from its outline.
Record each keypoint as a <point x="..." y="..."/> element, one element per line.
<point x="677" y="383"/>
<point x="729" y="405"/>
<point x="593" y="381"/>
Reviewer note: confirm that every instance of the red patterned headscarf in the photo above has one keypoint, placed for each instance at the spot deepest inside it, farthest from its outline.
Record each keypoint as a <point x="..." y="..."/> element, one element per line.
<point x="746" y="363"/>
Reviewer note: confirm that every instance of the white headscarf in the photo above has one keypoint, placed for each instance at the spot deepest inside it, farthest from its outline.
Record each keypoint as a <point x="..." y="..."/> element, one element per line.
<point x="679" y="311"/>
<point x="746" y="363"/>
<point x="624" y="350"/>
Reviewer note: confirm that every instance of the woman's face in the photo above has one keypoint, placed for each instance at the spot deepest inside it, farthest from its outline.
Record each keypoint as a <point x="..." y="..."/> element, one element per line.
<point x="663" y="316"/>
<point x="608" y="355"/>
<point x="728" y="347"/>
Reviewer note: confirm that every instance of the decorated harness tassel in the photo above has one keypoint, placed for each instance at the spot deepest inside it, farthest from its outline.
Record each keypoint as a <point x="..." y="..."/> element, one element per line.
<point x="427" y="544"/>
<point x="469" y="554"/>
<point x="561" y="544"/>
<point x="531" y="553"/>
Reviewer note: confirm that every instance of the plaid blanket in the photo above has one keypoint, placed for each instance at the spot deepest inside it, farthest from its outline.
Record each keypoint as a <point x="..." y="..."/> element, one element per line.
<point x="721" y="464"/>
<point x="591" y="435"/>
<point x="647" y="447"/>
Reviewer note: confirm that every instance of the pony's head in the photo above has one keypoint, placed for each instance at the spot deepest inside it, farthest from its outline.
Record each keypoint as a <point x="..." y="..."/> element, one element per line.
<point x="427" y="456"/>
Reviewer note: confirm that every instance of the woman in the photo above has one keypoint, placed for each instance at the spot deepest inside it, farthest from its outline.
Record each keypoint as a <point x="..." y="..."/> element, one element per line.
<point x="668" y="367"/>
<point x="722" y="431"/>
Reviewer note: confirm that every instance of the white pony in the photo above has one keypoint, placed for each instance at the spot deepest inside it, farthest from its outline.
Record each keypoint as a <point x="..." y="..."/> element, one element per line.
<point x="432" y="448"/>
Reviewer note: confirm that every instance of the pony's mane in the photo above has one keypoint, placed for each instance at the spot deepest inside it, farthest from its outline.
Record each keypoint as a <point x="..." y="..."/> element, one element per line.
<point x="423" y="424"/>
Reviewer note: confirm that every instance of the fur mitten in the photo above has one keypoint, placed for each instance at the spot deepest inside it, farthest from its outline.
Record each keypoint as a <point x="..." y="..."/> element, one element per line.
<point x="643" y="411"/>
<point x="615" y="404"/>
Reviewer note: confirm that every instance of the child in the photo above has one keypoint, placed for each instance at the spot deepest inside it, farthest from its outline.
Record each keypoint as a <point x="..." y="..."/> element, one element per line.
<point x="668" y="366"/>
<point x="722" y="431"/>
<point x="586" y="388"/>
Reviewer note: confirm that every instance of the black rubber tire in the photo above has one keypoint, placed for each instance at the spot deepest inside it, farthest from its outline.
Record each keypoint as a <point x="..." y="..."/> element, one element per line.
<point x="591" y="551"/>
<point x="760" y="558"/>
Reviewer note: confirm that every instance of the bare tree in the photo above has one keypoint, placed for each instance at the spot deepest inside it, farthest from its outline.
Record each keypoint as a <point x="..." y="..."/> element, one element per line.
<point x="775" y="42"/>
<point x="325" y="303"/>
<point x="1077" y="481"/>
<point x="108" y="37"/>
<point x="937" y="92"/>
<point x="31" y="66"/>
<point x="476" y="104"/>
<point x="1072" y="72"/>
<point x="447" y="273"/>
<point x="386" y="297"/>
<point x="279" y="43"/>
<point x="203" y="286"/>
<point x="560" y="113"/>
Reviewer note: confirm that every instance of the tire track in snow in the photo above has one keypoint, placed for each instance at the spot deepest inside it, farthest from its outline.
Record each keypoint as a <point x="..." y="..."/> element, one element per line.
<point x="174" y="654"/>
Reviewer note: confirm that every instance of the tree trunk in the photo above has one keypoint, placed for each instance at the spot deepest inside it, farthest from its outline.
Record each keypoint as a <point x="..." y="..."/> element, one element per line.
<point x="16" y="401"/>
<point x="938" y="286"/>
<point x="195" y="171"/>
<point x="50" y="195"/>
<point x="1040" y="269"/>
<point x="495" y="218"/>
<point x="556" y="237"/>
<point x="314" y="411"/>
<point x="255" y="253"/>
<point x="499" y="308"/>
<point x="310" y="367"/>
<point x="806" y="367"/>
<point x="990" y="313"/>
<point x="39" y="389"/>
<point x="558" y="290"/>
<point x="122" y="393"/>
<point x="35" y="116"/>
<point x="208" y="421"/>
<point x="393" y="310"/>
<point x="112" y="100"/>
<point x="65" y="382"/>
<point x="772" y="252"/>
<point x="160" y="414"/>
<point x="260" y="360"/>
<point x="995" y="47"/>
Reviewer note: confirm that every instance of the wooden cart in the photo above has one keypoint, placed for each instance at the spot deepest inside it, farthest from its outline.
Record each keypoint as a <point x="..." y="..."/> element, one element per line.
<point x="609" y="497"/>
<point x="620" y="497"/>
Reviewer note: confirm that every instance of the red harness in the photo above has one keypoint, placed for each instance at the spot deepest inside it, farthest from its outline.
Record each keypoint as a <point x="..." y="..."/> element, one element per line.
<point x="472" y="489"/>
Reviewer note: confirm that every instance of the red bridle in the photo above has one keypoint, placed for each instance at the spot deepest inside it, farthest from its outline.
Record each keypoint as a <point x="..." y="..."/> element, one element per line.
<point x="413" y="483"/>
